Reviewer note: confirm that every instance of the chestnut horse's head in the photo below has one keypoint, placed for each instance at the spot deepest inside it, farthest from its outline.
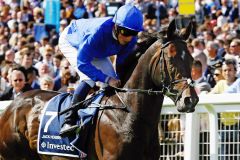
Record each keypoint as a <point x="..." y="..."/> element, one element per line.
<point x="170" y="69"/>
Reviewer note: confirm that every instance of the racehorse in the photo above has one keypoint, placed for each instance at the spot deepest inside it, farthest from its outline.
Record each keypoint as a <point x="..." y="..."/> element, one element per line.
<point x="164" y="69"/>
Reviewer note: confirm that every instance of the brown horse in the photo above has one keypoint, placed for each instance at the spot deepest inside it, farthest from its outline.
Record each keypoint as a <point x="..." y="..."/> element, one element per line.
<point x="164" y="69"/>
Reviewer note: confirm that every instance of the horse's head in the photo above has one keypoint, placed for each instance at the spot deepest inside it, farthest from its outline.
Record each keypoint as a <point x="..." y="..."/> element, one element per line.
<point x="170" y="69"/>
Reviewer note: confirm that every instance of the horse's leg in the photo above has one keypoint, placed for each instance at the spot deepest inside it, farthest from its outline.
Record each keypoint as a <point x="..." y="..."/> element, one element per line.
<point x="106" y="138"/>
<point x="154" y="147"/>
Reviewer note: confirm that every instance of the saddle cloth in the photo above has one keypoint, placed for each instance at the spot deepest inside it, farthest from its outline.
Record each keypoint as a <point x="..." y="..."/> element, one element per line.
<point x="49" y="141"/>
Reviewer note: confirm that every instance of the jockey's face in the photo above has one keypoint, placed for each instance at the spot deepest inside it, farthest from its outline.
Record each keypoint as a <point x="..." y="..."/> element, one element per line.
<point x="123" y="40"/>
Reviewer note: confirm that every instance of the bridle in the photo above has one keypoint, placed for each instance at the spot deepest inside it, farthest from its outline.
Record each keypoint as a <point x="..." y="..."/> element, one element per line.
<point x="166" y="82"/>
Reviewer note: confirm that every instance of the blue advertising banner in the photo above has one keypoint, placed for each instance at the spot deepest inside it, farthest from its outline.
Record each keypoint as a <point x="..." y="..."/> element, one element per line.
<point x="52" y="13"/>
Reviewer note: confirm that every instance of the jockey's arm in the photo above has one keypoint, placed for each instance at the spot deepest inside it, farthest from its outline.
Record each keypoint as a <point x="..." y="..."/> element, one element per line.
<point x="86" y="53"/>
<point x="85" y="66"/>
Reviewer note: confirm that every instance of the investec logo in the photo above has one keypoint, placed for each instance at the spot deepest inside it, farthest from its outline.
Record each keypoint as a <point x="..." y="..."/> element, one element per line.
<point x="62" y="147"/>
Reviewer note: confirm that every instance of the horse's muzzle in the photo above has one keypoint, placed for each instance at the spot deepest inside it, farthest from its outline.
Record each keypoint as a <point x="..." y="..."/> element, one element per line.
<point x="188" y="106"/>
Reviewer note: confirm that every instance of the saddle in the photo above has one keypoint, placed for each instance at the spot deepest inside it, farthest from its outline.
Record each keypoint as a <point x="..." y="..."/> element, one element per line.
<point x="49" y="141"/>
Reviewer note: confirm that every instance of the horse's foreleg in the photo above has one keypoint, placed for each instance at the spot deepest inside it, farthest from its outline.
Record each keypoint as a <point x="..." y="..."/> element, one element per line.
<point x="154" y="147"/>
<point x="106" y="139"/>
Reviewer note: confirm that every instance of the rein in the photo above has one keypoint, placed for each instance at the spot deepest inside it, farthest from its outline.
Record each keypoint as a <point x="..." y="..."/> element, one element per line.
<point x="166" y="89"/>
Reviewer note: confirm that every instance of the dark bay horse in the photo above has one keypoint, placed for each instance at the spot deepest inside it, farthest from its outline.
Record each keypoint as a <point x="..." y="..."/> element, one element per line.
<point x="164" y="69"/>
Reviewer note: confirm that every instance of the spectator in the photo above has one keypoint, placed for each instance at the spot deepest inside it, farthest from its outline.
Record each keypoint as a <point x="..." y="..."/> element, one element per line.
<point x="18" y="84"/>
<point x="27" y="59"/>
<point x="235" y="47"/>
<point x="101" y="10"/>
<point x="67" y="10"/>
<point x="8" y="58"/>
<point x="3" y="79"/>
<point x="4" y="74"/>
<point x="38" y="15"/>
<point x="65" y="81"/>
<point x="225" y="8"/>
<point x="13" y="34"/>
<point x="235" y="51"/>
<point x="229" y="74"/>
<point x="44" y="68"/>
<point x="43" y="43"/>
<point x="37" y="56"/>
<point x="90" y="6"/>
<point x="213" y="61"/>
<point x="57" y="63"/>
<point x="218" y="74"/>
<point x="190" y="48"/>
<point x="63" y="25"/>
<point x="80" y="10"/>
<point x="64" y="68"/>
<point x="199" y="12"/>
<point x="46" y="82"/>
<point x="226" y="47"/>
<point x="221" y="51"/>
<point x="22" y="29"/>
<point x="234" y="12"/>
<point x="221" y="19"/>
<point x="32" y="77"/>
<point x="198" y="54"/>
<point x="201" y="85"/>
<point x="234" y="88"/>
<point x="3" y="44"/>
<point x="24" y="15"/>
<point x="208" y="35"/>
<point x="21" y="43"/>
<point x="47" y="55"/>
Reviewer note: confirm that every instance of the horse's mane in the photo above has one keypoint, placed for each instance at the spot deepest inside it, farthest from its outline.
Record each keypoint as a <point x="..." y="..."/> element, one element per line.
<point x="145" y="40"/>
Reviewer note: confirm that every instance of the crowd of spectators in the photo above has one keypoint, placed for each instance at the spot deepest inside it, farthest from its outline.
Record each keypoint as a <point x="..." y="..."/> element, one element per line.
<point x="28" y="63"/>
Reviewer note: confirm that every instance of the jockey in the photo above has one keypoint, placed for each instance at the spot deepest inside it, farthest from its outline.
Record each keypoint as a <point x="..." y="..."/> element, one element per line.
<point x="88" y="43"/>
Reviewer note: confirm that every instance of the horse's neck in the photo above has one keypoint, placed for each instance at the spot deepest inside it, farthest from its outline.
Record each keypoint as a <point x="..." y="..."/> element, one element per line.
<point x="145" y="109"/>
<point x="141" y="79"/>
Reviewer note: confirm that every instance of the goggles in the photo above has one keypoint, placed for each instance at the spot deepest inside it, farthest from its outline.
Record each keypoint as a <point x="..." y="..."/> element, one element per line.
<point x="126" y="32"/>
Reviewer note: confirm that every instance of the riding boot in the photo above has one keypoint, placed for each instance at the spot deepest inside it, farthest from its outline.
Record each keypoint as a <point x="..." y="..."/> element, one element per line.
<point x="69" y="123"/>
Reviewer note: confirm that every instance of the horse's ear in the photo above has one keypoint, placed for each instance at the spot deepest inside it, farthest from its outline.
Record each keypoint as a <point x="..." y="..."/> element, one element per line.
<point x="171" y="29"/>
<point x="186" y="32"/>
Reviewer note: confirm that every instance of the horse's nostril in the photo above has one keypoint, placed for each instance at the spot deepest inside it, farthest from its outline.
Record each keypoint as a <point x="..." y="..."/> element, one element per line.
<point x="187" y="101"/>
<point x="190" y="103"/>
